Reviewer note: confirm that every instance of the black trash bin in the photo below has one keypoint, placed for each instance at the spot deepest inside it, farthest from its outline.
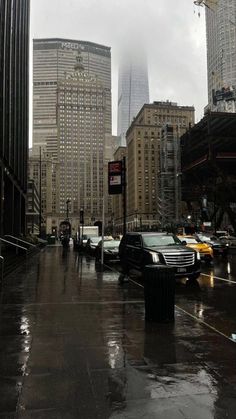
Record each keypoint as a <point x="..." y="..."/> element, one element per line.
<point x="51" y="240"/>
<point x="159" y="293"/>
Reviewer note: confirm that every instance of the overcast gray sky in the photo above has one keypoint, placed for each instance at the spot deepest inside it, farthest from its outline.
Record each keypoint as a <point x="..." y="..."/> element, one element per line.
<point x="172" y="31"/>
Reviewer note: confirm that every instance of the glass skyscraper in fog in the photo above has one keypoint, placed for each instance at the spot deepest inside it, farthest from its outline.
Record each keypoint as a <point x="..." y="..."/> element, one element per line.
<point x="133" y="91"/>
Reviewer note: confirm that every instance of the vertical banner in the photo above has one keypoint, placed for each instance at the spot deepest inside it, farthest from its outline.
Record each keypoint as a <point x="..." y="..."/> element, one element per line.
<point x="115" y="177"/>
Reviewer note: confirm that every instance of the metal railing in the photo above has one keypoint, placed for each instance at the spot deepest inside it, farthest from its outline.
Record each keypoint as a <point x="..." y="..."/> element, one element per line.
<point x="2" y="268"/>
<point x="17" y="246"/>
<point x="20" y="240"/>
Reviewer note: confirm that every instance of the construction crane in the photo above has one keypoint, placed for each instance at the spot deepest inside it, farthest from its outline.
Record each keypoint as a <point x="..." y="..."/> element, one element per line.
<point x="211" y="4"/>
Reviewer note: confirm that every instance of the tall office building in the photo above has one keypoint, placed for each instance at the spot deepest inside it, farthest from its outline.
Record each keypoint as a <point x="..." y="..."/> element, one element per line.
<point x="144" y="138"/>
<point x="14" y="69"/>
<point x="221" y="49"/>
<point x="81" y="139"/>
<point x="133" y="91"/>
<point x="52" y="60"/>
<point x="66" y="120"/>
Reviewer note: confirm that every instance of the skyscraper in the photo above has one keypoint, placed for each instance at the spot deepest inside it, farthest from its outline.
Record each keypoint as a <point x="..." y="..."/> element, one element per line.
<point x="133" y="90"/>
<point x="221" y="47"/>
<point x="72" y="121"/>
<point x="52" y="60"/>
<point x="14" y="70"/>
<point x="81" y="138"/>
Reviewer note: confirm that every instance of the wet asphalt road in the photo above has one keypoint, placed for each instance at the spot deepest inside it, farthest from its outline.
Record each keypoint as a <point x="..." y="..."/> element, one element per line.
<point x="74" y="344"/>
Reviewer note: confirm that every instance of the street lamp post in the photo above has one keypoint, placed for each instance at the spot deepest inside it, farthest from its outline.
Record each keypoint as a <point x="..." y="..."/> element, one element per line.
<point x="136" y="220"/>
<point x="40" y="192"/>
<point x="177" y="195"/>
<point x="112" y="223"/>
<point x="67" y="209"/>
<point x="81" y="219"/>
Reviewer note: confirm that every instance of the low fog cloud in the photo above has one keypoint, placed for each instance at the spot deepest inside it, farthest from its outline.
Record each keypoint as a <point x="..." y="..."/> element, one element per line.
<point x="171" y="32"/>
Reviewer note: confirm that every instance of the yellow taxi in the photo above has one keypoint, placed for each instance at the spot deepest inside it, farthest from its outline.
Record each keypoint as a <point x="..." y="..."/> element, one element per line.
<point x="204" y="249"/>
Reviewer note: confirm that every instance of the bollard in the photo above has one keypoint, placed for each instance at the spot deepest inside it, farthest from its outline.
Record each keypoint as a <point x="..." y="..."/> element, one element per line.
<point x="159" y="293"/>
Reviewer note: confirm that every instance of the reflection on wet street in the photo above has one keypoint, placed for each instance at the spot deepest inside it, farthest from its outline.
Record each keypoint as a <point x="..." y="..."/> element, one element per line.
<point x="74" y="344"/>
<point x="212" y="300"/>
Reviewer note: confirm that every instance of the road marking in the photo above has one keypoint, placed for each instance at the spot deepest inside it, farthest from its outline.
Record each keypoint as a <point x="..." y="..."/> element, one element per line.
<point x="205" y="324"/>
<point x="218" y="277"/>
<point x="191" y="315"/>
<point x="136" y="283"/>
<point x="197" y="318"/>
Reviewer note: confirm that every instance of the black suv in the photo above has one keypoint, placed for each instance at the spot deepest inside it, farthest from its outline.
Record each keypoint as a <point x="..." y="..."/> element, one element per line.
<point x="137" y="250"/>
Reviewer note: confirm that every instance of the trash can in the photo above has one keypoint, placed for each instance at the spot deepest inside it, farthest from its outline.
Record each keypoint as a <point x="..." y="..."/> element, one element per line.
<point x="159" y="293"/>
<point x="51" y="240"/>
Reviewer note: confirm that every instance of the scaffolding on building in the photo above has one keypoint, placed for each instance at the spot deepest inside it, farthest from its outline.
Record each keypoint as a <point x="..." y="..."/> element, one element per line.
<point x="224" y="100"/>
<point x="169" y="183"/>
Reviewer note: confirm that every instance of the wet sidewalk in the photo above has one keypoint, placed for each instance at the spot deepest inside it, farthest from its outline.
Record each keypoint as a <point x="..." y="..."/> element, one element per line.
<point x="74" y="344"/>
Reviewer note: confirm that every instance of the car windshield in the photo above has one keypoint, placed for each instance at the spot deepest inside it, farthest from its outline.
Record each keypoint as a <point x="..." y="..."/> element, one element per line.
<point x="95" y="239"/>
<point x="158" y="240"/>
<point x="205" y="238"/>
<point x="191" y="240"/>
<point x="111" y="243"/>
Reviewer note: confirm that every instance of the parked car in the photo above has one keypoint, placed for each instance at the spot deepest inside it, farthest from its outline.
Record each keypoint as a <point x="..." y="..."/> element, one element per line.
<point x="218" y="247"/>
<point x="220" y="233"/>
<point x="228" y="240"/>
<point x="110" y="250"/>
<point x="91" y="244"/>
<point x="205" y="250"/>
<point x="137" y="250"/>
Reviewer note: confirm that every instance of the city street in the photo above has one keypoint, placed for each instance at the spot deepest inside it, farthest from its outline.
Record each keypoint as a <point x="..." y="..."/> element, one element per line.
<point x="114" y="151"/>
<point x="74" y="344"/>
